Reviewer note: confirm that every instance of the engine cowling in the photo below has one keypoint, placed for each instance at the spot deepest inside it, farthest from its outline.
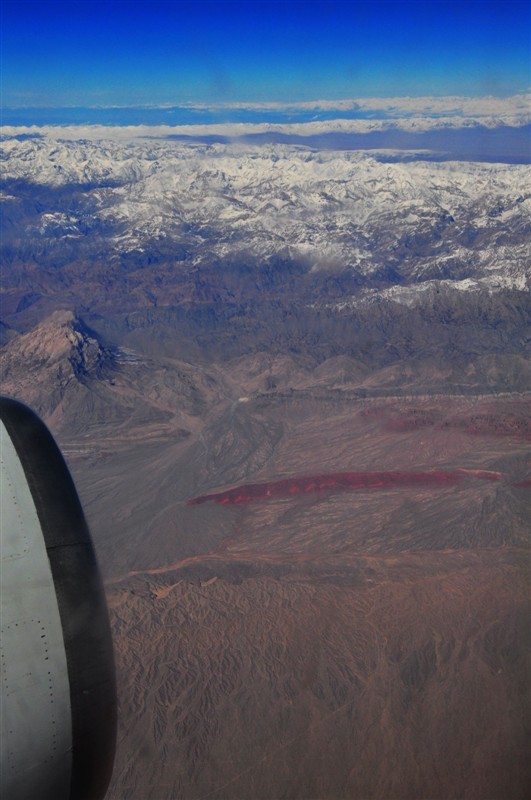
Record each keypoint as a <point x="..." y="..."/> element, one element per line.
<point x="58" y="726"/>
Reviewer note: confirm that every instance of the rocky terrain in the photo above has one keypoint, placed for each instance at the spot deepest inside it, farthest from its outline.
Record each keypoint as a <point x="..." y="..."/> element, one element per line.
<point x="292" y="387"/>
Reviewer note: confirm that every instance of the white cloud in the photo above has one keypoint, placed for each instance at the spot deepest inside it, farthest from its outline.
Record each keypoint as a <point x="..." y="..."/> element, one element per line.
<point x="434" y="106"/>
<point x="396" y="107"/>
<point x="233" y="130"/>
<point x="410" y="114"/>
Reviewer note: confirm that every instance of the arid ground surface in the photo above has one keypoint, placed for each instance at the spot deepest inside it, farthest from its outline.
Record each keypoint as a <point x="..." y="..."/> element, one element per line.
<point x="366" y="643"/>
<point x="313" y="594"/>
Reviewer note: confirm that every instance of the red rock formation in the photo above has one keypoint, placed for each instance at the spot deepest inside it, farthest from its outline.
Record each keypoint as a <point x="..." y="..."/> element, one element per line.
<point x="336" y="481"/>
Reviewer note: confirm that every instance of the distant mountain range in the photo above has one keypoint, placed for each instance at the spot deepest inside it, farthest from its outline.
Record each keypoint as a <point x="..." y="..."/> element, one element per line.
<point x="145" y="202"/>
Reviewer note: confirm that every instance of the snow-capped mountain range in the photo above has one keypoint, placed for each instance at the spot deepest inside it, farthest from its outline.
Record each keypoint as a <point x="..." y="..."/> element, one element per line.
<point x="158" y="200"/>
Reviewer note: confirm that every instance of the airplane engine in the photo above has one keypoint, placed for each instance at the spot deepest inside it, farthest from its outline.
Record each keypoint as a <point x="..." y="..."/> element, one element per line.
<point x="58" y="720"/>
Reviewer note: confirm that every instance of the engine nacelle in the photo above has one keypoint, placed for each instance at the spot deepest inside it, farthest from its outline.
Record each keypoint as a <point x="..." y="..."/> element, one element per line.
<point x="58" y="721"/>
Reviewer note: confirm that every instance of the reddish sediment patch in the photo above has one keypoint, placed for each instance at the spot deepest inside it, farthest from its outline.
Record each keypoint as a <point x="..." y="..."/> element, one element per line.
<point x="338" y="481"/>
<point x="511" y="420"/>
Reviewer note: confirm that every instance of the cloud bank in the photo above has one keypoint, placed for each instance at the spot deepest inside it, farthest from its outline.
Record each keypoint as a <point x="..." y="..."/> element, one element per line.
<point x="404" y="106"/>
<point x="242" y="129"/>
<point x="321" y="117"/>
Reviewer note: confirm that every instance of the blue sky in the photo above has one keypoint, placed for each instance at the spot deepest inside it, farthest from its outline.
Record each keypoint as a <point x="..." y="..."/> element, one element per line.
<point x="126" y="52"/>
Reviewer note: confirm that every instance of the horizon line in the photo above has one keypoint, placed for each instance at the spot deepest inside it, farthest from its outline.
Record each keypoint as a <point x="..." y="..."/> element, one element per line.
<point x="347" y="103"/>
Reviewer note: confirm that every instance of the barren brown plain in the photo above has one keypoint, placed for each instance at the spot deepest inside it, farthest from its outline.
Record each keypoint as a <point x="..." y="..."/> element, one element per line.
<point x="336" y="644"/>
<point x="365" y="639"/>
